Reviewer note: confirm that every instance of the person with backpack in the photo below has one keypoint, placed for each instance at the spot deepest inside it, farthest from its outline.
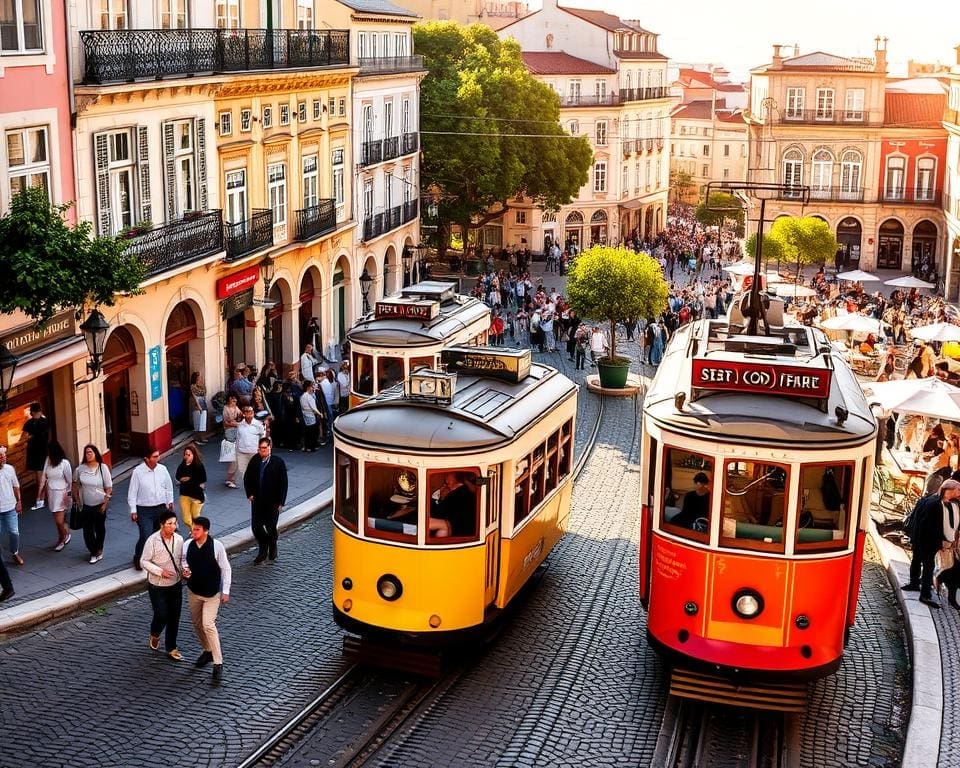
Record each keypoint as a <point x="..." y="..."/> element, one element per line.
<point x="932" y="527"/>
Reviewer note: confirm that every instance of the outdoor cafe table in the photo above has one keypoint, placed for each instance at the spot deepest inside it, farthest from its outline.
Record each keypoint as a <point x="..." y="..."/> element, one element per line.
<point x="916" y="471"/>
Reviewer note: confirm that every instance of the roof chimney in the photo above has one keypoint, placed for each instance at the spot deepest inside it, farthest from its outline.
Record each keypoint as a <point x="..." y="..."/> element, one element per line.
<point x="796" y="50"/>
<point x="777" y="62"/>
<point x="880" y="60"/>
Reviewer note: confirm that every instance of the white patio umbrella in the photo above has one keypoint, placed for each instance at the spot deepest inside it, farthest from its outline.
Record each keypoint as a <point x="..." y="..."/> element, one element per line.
<point x="909" y="281"/>
<point x="794" y="290"/>
<point x="922" y="397"/>
<point x="936" y="332"/>
<point x="854" y="322"/>
<point x="740" y="268"/>
<point x="858" y="276"/>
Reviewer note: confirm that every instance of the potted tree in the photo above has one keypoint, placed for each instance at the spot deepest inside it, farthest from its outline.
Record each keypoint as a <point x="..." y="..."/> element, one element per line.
<point x="615" y="284"/>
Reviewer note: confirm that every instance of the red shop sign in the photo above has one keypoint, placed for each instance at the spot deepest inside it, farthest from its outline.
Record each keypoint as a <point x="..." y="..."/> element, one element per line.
<point x="237" y="282"/>
<point x="770" y="379"/>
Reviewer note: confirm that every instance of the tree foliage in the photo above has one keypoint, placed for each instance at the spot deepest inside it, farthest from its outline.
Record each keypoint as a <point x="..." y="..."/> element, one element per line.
<point x="614" y="284"/>
<point x="806" y="240"/>
<point x="772" y="248"/>
<point x="490" y="130"/>
<point x="720" y="208"/>
<point x="51" y="266"/>
<point x="681" y="184"/>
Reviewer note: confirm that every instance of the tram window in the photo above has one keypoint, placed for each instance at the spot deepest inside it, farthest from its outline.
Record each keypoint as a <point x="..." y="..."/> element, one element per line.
<point x="392" y="502"/>
<point x="421" y="362"/>
<point x="454" y="508"/>
<point x="566" y="450"/>
<point x="754" y="505"/>
<point x="823" y="517"/>
<point x="553" y="443"/>
<point x="687" y="493"/>
<point x="347" y="491"/>
<point x="389" y="372"/>
<point x="521" y="502"/>
<point x="363" y="374"/>
<point x="537" y="473"/>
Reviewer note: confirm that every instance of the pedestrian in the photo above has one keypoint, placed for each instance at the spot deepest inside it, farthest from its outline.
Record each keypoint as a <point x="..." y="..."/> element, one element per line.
<point x="249" y="432"/>
<point x="265" y="482"/>
<point x="37" y="429"/>
<point x="207" y="570"/>
<point x="162" y="554"/>
<point x="198" y="407"/>
<point x="232" y="416"/>
<point x="598" y="345"/>
<point x="11" y="507"/>
<point x="573" y="325"/>
<point x="331" y="402"/>
<point x="291" y="419"/>
<point x="56" y="483"/>
<point x="308" y="363"/>
<point x="312" y="416"/>
<point x="93" y="487"/>
<point x="582" y="343"/>
<point x="149" y="495"/>
<point x="192" y="476"/>
<point x="343" y="381"/>
<point x="654" y="342"/>
<point x="241" y="386"/>
<point x="933" y="516"/>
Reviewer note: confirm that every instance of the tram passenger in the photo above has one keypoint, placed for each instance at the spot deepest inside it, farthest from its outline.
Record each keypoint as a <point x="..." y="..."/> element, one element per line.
<point x="453" y="508"/>
<point x="696" y="503"/>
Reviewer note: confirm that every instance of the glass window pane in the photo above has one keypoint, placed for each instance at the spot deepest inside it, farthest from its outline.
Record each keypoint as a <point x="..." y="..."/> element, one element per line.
<point x="347" y="491"/>
<point x="687" y="481"/>
<point x="392" y="502"/>
<point x="454" y="508"/>
<point x="38" y="145"/>
<point x="389" y="372"/>
<point x="363" y="374"/>
<point x="823" y="518"/>
<point x="754" y="505"/>
<point x="15" y="151"/>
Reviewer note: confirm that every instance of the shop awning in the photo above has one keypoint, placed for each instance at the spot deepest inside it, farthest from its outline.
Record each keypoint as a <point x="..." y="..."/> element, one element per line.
<point x="631" y="205"/>
<point x="47" y="359"/>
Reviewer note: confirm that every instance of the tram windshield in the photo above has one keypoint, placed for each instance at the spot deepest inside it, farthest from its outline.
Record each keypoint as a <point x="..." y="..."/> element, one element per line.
<point x="688" y="482"/>
<point x="824" y="517"/>
<point x="389" y="372"/>
<point x="393" y="502"/>
<point x="454" y="505"/>
<point x="347" y="491"/>
<point x="363" y="374"/>
<point x="754" y="505"/>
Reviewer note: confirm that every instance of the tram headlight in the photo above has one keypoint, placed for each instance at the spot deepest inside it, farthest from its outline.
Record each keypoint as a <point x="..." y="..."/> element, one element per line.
<point x="747" y="603"/>
<point x="389" y="587"/>
<point x="347" y="583"/>
<point x="435" y="621"/>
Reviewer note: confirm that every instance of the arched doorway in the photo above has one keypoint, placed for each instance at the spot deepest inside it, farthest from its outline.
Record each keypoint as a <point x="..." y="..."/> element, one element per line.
<point x="923" y="261"/>
<point x="119" y="357"/>
<point x="573" y="229"/>
<point x="275" y="319"/>
<point x="890" y="249"/>
<point x="308" y="320"/>
<point x="341" y="309"/>
<point x="849" y="237"/>
<point x="598" y="228"/>
<point x="181" y="330"/>
<point x="648" y="232"/>
<point x="389" y="283"/>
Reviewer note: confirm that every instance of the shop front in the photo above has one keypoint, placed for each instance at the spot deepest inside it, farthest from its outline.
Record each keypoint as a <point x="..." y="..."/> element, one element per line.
<point x="849" y="237"/>
<point x="180" y="339"/>
<point x="235" y="292"/>
<point x="923" y="261"/>
<point x="890" y="250"/>
<point x="120" y="402"/>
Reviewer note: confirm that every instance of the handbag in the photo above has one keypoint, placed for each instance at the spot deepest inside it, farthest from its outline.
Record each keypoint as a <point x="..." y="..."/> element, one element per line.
<point x="199" y="421"/>
<point x="228" y="451"/>
<point x="76" y="515"/>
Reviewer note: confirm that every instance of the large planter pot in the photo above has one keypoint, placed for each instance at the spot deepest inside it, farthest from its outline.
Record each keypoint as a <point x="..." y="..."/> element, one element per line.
<point x="613" y="372"/>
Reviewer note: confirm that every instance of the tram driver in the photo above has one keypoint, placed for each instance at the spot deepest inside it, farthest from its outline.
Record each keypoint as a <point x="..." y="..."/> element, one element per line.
<point x="453" y="506"/>
<point x="696" y="503"/>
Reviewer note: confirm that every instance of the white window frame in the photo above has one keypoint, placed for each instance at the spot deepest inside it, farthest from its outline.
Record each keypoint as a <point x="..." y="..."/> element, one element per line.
<point x="185" y="163"/>
<point x="29" y="168"/>
<point x="310" y="165"/>
<point x="405" y="116"/>
<point x="574" y="127"/>
<point x="821" y="173"/>
<point x="795" y="99"/>
<point x="925" y="191"/>
<point x="400" y="44"/>
<point x="600" y="133"/>
<point x="854" y="100"/>
<point x="20" y="28"/>
<point x="113" y="14"/>
<point x="895" y="166"/>
<point x="368" y="203"/>
<point x="332" y="106"/>
<point x="305" y="14"/>
<point x="277" y="198"/>
<point x="342" y="106"/>
<point x="225" y="123"/>
<point x="826" y="99"/>
<point x="119" y="169"/>
<point x="520" y="217"/>
<point x="361" y="45"/>
<point x="284" y="114"/>
<point x="851" y="173"/>
<point x="301" y="111"/>
<point x="624" y="179"/>
<point x="573" y="91"/>
<point x="176" y="11"/>
<point x="266" y="116"/>
<point x="236" y="195"/>
<point x="337" y="188"/>
<point x="600" y="90"/>
<point x="245" y="120"/>
<point x="600" y="177"/>
<point x="227" y="14"/>
<point x="792" y="168"/>
<point x="388" y="118"/>
<point x="317" y="106"/>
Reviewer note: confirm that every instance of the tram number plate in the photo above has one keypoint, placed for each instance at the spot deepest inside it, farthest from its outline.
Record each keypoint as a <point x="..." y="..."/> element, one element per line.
<point x="753" y="377"/>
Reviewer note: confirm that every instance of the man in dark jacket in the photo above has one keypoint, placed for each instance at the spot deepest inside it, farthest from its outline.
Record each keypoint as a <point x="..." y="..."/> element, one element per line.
<point x="265" y="483"/>
<point x="930" y="514"/>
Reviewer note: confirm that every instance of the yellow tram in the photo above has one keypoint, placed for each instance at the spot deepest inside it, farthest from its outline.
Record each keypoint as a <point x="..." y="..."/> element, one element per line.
<point x="407" y="332"/>
<point x="449" y="493"/>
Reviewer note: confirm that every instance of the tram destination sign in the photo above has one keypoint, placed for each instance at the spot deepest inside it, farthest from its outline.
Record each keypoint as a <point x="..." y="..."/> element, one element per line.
<point x="414" y="310"/>
<point x="789" y="380"/>
<point x="511" y="365"/>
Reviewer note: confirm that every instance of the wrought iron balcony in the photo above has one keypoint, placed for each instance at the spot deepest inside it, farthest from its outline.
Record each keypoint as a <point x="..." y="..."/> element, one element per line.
<point x="373" y="227"/>
<point x="125" y="55"/>
<point x="316" y="220"/>
<point x="410" y="210"/>
<point x="629" y="147"/>
<point x="827" y="117"/>
<point x="371" y="152"/>
<point x="381" y="223"/>
<point x="194" y="237"/>
<point x="648" y="144"/>
<point x="254" y="234"/>
<point x="391" y="147"/>
<point x="386" y="65"/>
<point x="911" y="195"/>
<point x="837" y="194"/>
<point x="410" y="143"/>
<point x="589" y="100"/>
<point x="644" y="94"/>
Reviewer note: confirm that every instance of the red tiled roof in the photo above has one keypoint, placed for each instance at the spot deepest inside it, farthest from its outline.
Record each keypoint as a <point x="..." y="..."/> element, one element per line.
<point x="913" y="110"/>
<point x="602" y="19"/>
<point x="695" y="78"/>
<point x="694" y="110"/>
<point x="559" y="63"/>
<point x="733" y="116"/>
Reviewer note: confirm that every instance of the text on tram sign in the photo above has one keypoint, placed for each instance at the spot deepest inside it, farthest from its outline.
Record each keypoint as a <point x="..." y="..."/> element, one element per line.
<point x="761" y="377"/>
<point x="415" y="310"/>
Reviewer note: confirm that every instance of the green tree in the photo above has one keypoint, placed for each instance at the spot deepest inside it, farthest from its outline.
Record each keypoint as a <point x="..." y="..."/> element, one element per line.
<point x="721" y="208"/>
<point x="616" y="284"/>
<point x="681" y="184"/>
<point x="806" y="240"/>
<point x="772" y="247"/>
<point x="490" y="130"/>
<point x="51" y="266"/>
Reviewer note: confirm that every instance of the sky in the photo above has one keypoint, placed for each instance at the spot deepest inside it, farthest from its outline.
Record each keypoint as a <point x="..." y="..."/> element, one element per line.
<point x="740" y="33"/>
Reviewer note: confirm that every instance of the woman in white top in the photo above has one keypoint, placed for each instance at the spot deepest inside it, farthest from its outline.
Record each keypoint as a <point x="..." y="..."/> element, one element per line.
<point x="93" y="485"/>
<point x="56" y="480"/>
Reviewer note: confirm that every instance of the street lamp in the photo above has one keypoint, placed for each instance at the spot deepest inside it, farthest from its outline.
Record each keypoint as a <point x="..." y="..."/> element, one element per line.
<point x="8" y="366"/>
<point x="365" y="282"/>
<point x="406" y="256"/>
<point x="267" y="269"/>
<point x="95" y="329"/>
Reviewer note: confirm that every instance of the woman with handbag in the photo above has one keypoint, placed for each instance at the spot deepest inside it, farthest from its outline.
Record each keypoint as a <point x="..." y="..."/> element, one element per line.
<point x="92" y="489"/>
<point x="162" y="553"/>
<point x="198" y="408"/>
<point x="56" y="481"/>
<point x="232" y="416"/>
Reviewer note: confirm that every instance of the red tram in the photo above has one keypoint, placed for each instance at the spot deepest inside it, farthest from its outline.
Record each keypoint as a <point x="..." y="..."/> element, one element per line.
<point x="757" y="459"/>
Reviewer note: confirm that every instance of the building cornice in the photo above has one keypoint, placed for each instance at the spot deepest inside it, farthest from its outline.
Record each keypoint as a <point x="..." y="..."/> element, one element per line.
<point x="256" y="84"/>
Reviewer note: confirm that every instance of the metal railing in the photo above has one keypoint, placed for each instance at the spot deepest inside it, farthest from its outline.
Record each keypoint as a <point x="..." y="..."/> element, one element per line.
<point x="629" y="147"/>
<point x="644" y="94"/>
<point x="373" y="227"/>
<point x="124" y="55"/>
<point x="396" y="216"/>
<point x="912" y="195"/>
<point x="383" y="65"/>
<point x="391" y="147"/>
<point x="589" y="100"/>
<point x="194" y="237"/>
<point x="254" y="234"/>
<point x="828" y="117"/>
<point x="371" y="152"/>
<point x="316" y="220"/>
<point x="411" y="209"/>
<point x="410" y="143"/>
<point x="841" y="194"/>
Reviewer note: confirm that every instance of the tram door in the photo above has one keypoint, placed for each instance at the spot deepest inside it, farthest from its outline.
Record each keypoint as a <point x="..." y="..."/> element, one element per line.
<point x="492" y="529"/>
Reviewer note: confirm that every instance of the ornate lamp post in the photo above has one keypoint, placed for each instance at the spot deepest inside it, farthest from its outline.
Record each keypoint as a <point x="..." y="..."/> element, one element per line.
<point x="95" y="329"/>
<point x="365" y="282"/>
<point x="8" y="366"/>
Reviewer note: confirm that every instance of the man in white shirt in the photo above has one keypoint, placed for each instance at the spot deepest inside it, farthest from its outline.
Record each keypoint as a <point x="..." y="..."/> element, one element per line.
<point x="149" y="494"/>
<point x="249" y="432"/>
<point x="307" y="364"/>
<point x="331" y="401"/>
<point x="343" y="380"/>
<point x="10" y="510"/>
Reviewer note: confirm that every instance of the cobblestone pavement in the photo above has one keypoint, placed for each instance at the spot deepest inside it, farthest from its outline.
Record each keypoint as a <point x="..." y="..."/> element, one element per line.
<point x="947" y="623"/>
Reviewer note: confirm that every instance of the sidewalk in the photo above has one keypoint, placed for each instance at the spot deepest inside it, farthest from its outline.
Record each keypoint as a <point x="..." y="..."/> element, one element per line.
<point x="49" y="579"/>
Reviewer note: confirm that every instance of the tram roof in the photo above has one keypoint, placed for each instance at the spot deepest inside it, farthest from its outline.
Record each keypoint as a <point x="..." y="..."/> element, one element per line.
<point x="485" y="413"/>
<point x="457" y="312"/>
<point x="752" y="416"/>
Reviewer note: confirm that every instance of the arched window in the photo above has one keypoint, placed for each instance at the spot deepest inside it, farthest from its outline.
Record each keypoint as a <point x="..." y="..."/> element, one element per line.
<point x="821" y="173"/>
<point x="894" y="185"/>
<point x="574" y="217"/>
<point x="926" y="174"/>
<point x="793" y="169"/>
<point x="599" y="217"/>
<point x="851" y="164"/>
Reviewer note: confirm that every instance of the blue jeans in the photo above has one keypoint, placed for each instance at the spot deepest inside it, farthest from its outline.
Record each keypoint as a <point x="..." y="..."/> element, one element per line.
<point x="148" y="521"/>
<point x="10" y="524"/>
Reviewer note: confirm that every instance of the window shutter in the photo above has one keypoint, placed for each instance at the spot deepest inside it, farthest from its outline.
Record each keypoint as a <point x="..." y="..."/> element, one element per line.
<point x="201" y="127"/>
<point x="170" y="172"/>
<point x="143" y="171"/>
<point x="102" y="164"/>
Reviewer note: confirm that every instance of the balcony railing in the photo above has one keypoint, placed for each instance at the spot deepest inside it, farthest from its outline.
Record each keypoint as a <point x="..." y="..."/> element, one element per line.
<point x="371" y="152"/>
<point x="391" y="147"/>
<point x="124" y="55"/>
<point x="410" y="210"/>
<point x="181" y="242"/>
<point x="316" y="220"/>
<point x="629" y="147"/>
<point x="373" y="227"/>
<point x="644" y="94"/>
<point x="913" y="196"/>
<point x="648" y="144"/>
<point x="587" y="100"/>
<point x="410" y="143"/>
<point x="381" y="223"/>
<point x="841" y="194"/>
<point x="385" y="65"/>
<point x="827" y="117"/>
<point x="254" y="234"/>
